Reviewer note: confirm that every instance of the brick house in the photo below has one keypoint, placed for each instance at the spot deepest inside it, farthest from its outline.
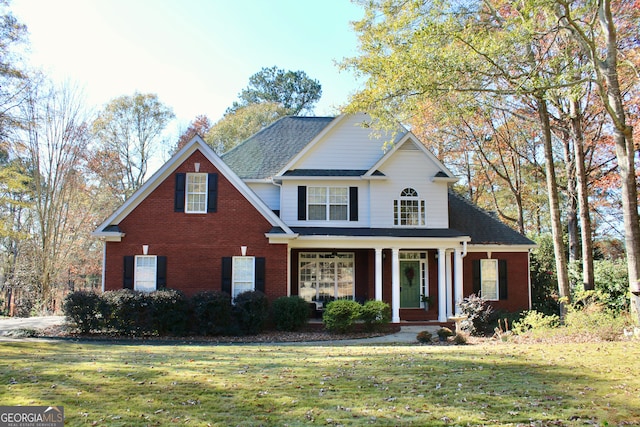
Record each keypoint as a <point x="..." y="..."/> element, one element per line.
<point x="318" y="207"/>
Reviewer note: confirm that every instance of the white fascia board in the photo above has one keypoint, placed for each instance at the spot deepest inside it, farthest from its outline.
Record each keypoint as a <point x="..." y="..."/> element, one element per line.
<point x="279" y="238"/>
<point x="108" y="236"/>
<point x="311" y="144"/>
<point x="448" y="180"/>
<point x="319" y="178"/>
<point x="169" y="167"/>
<point x="500" y="248"/>
<point x="369" y="242"/>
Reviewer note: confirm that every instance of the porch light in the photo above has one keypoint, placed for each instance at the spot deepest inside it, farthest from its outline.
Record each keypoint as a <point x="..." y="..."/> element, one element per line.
<point x="145" y="249"/>
<point x="243" y="250"/>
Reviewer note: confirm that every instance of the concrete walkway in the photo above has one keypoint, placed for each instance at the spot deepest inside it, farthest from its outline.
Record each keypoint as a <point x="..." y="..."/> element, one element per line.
<point x="8" y="324"/>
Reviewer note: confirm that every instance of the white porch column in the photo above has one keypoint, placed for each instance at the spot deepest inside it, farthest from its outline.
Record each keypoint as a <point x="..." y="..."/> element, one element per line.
<point x="288" y="271"/>
<point x="378" y="274"/>
<point x="449" y="285"/>
<point x="442" y="286"/>
<point x="457" y="284"/>
<point x="395" y="285"/>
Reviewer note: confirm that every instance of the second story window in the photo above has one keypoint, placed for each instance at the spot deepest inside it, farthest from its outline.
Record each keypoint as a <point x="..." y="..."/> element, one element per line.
<point x="196" y="193"/>
<point x="328" y="203"/>
<point x="408" y="209"/>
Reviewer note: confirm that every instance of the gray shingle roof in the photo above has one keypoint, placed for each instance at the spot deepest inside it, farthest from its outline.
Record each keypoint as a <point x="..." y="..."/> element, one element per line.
<point x="268" y="151"/>
<point x="482" y="227"/>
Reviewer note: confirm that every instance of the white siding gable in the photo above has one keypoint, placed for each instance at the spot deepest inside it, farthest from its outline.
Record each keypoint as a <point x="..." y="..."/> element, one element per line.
<point x="268" y="192"/>
<point x="409" y="167"/>
<point x="349" y="145"/>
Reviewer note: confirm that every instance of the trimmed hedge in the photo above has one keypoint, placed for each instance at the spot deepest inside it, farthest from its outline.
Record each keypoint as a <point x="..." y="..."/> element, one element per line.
<point x="340" y="316"/>
<point x="251" y="311"/>
<point x="169" y="312"/>
<point x="290" y="313"/>
<point x="375" y="314"/>
<point x="211" y="313"/>
<point x="86" y="310"/>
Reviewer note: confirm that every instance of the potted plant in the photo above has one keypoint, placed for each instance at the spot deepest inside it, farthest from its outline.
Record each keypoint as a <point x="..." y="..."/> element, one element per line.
<point x="444" y="334"/>
<point x="427" y="299"/>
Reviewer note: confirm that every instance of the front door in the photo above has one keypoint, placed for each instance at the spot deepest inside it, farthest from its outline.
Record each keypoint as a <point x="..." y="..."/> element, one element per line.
<point x="410" y="284"/>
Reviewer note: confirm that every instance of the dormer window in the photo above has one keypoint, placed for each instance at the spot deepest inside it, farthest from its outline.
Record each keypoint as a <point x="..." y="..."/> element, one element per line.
<point x="409" y="209"/>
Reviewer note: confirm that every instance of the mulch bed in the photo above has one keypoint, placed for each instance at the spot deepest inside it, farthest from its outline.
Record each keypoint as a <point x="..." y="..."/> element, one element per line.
<point x="311" y="333"/>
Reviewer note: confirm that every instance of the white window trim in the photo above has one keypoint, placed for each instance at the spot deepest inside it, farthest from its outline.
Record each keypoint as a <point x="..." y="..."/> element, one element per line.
<point x="315" y="257"/>
<point x="397" y="209"/>
<point x="496" y="295"/>
<point x="187" y="192"/>
<point x="327" y="203"/>
<point x="234" y="272"/>
<point x="137" y="275"/>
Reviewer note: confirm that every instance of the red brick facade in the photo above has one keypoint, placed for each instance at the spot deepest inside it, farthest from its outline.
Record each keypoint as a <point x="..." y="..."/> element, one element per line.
<point x="195" y="244"/>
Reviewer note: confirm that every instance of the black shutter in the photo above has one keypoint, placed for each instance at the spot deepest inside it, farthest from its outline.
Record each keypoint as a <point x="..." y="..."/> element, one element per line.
<point x="260" y="272"/>
<point x="502" y="278"/>
<point x="161" y="273"/>
<point x="353" y="203"/>
<point x="302" y="203"/>
<point x="178" y="203"/>
<point x="227" y="270"/>
<point x="127" y="282"/>
<point x="475" y="276"/>
<point x="212" y="192"/>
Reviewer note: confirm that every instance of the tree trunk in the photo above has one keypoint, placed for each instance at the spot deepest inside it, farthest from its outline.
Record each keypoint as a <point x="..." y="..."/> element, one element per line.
<point x="602" y="50"/>
<point x="572" y="200"/>
<point x="625" y="150"/>
<point x="554" y="209"/>
<point x="583" y="197"/>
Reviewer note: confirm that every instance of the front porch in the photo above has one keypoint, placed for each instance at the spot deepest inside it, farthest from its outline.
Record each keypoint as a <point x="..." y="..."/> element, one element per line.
<point x="420" y="284"/>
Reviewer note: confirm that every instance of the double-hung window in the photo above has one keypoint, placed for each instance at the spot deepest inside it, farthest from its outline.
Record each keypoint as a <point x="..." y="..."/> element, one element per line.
<point x="243" y="278"/>
<point x="196" y="194"/>
<point x="489" y="279"/>
<point x="145" y="273"/>
<point x="328" y="203"/>
<point x="409" y="209"/>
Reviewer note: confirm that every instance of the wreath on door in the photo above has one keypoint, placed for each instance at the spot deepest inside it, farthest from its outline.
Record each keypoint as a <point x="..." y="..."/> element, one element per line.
<point x="409" y="273"/>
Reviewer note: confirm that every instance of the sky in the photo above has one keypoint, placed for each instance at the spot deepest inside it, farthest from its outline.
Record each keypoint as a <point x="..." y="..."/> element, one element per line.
<point x="196" y="55"/>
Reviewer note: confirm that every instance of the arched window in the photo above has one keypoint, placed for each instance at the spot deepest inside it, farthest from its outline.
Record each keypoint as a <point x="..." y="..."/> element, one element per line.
<point x="408" y="209"/>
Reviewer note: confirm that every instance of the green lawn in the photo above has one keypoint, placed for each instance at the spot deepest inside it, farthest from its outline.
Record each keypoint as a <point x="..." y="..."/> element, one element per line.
<point x="295" y="385"/>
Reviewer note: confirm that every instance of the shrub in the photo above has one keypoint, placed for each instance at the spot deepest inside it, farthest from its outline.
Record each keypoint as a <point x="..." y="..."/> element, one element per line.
<point x="251" y="310"/>
<point x="169" y="312"/>
<point x="374" y="314"/>
<point x="211" y="311"/>
<point x="444" y="333"/>
<point x="595" y="321"/>
<point x="85" y="310"/>
<point x="612" y="281"/>
<point x="130" y="312"/>
<point x="536" y="322"/>
<point x="460" y="339"/>
<point x="478" y="312"/>
<point x="340" y="315"/>
<point x="290" y="313"/>
<point x="424" y="337"/>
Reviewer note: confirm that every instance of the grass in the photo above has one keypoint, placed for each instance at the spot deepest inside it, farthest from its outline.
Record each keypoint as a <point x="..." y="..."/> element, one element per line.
<point x="299" y="385"/>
